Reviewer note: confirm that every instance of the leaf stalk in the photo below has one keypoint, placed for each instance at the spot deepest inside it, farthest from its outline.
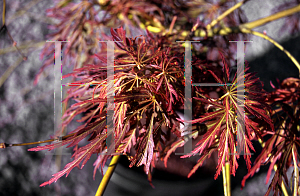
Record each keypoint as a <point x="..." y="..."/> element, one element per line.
<point x="107" y="175"/>
<point x="226" y="178"/>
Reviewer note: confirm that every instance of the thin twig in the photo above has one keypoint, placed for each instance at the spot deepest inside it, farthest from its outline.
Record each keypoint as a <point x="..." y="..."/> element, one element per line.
<point x="226" y="13"/>
<point x="23" y="46"/>
<point x="244" y="30"/>
<point x="5" y="27"/>
<point x="22" y="11"/>
<point x="3" y="13"/>
<point x="15" y="45"/>
<point x="107" y="176"/>
<point x="273" y="17"/>
<point x="172" y="24"/>
<point x="250" y="25"/>
<point x="283" y="187"/>
<point x="9" y="70"/>
<point x="4" y="145"/>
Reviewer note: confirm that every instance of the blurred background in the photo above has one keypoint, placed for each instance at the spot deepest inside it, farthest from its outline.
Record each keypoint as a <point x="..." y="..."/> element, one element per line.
<point x="26" y="114"/>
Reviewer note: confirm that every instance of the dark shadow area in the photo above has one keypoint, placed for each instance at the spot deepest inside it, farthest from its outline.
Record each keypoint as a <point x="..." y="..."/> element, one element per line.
<point x="275" y="63"/>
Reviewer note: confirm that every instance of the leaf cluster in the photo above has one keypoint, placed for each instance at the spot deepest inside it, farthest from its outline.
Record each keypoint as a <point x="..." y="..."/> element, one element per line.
<point x="148" y="86"/>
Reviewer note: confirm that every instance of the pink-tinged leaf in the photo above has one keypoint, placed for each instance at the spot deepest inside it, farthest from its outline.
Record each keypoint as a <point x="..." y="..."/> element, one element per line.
<point x="227" y="111"/>
<point x="159" y="83"/>
<point x="150" y="179"/>
<point x="215" y="103"/>
<point x="52" y="146"/>
<point x="233" y="158"/>
<point x="75" y="163"/>
<point x="119" y="35"/>
<point x="260" y="113"/>
<point x="216" y="77"/>
<point x="222" y="153"/>
<point x="157" y="53"/>
<point x="100" y="162"/>
<point x="130" y="140"/>
<point x="261" y="159"/>
<point x="271" y="167"/>
<point x="200" y="162"/>
<point x="209" y="136"/>
<point x="144" y="154"/>
<point x="101" y="57"/>
<point x="247" y="151"/>
<point x="209" y="116"/>
<point x="226" y="67"/>
<point x="179" y="143"/>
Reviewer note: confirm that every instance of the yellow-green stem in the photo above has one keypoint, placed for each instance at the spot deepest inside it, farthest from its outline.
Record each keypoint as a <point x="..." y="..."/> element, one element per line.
<point x="285" y="192"/>
<point x="262" y="21"/>
<point x="249" y="25"/>
<point x="107" y="176"/>
<point x="3" y="13"/>
<point x="226" y="13"/>
<point x="283" y="187"/>
<point x="244" y="30"/>
<point x="226" y="179"/>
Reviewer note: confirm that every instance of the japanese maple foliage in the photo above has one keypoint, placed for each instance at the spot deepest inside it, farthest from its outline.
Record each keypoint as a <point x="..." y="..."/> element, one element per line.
<point x="225" y="130"/>
<point x="281" y="149"/>
<point x="146" y="82"/>
<point x="149" y="88"/>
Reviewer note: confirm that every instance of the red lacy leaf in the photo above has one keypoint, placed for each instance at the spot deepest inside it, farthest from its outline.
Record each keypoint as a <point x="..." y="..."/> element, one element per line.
<point x="144" y="153"/>
<point x="179" y="143"/>
<point x="82" y="156"/>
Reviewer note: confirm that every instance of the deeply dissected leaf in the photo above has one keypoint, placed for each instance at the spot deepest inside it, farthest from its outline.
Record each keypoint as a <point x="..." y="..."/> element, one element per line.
<point x="228" y="129"/>
<point x="149" y="82"/>
<point x="82" y="156"/>
<point x="278" y="149"/>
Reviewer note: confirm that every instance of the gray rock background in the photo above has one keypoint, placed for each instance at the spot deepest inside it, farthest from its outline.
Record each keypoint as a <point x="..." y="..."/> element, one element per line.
<point x="26" y="114"/>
